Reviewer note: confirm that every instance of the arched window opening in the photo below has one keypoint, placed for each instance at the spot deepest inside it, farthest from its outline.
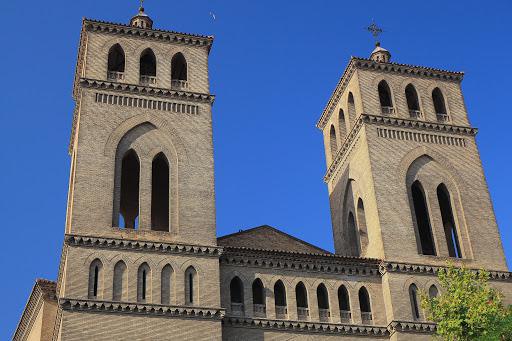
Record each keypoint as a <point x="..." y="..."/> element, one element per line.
<point x="363" y="230"/>
<point x="413" y="103"/>
<point x="236" y="292"/>
<point x="439" y="105"/>
<point x="258" y="298"/>
<point x="323" y="302"/>
<point x="143" y="276"/>
<point x="422" y="219"/>
<point x="386" y="102"/>
<point x="333" y="142"/>
<point x="116" y="63"/>
<point x="433" y="291"/>
<point x="344" y="304"/>
<point x="119" y="285"/>
<point x="147" y="67"/>
<point x="450" y="232"/>
<point x="129" y="204"/>
<point x="301" y="297"/>
<point x="342" y="125"/>
<point x="160" y="193"/>
<point x="351" y="109"/>
<point x="280" y="299"/>
<point x="166" y="284"/>
<point x="95" y="279"/>
<point x="191" y="286"/>
<point x="413" y="295"/>
<point x="352" y="231"/>
<point x="364" y="305"/>
<point x="179" y="71"/>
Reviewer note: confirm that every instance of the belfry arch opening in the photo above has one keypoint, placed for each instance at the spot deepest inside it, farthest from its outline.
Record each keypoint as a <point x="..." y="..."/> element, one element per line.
<point x="160" y="193"/>
<point x="439" y="105"/>
<point x="342" y="125"/>
<point x="351" y="109"/>
<point x="129" y="202"/>
<point x="413" y="103"/>
<point x="116" y="59"/>
<point x="424" y="229"/>
<point x="333" y="143"/>
<point x="179" y="67"/>
<point x="450" y="231"/>
<point x="363" y="230"/>
<point x="386" y="103"/>
<point x="148" y="63"/>
<point x="353" y="235"/>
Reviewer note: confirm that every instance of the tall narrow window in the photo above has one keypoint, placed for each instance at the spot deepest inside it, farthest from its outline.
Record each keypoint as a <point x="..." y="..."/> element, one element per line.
<point x="450" y="232"/>
<point x="386" y="103"/>
<point x="432" y="291"/>
<point x="439" y="105"/>
<point x="129" y="204"/>
<point x="413" y="103"/>
<point x="422" y="219"/>
<point x="236" y="292"/>
<point x="342" y="125"/>
<point x="116" y="63"/>
<point x="280" y="299"/>
<point x="361" y="222"/>
<point x="119" y="285"/>
<point x="147" y="66"/>
<point x="344" y="304"/>
<point x="191" y="285"/>
<point x="95" y="279"/>
<point x="166" y="284"/>
<point x="160" y="193"/>
<point x="258" y="298"/>
<point x="323" y="302"/>
<point x="364" y="305"/>
<point x="352" y="233"/>
<point x="301" y="296"/>
<point x="143" y="275"/>
<point x="351" y="109"/>
<point x="333" y="142"/>
<point x="413" y="295"/>
<point x="179" y="67"/>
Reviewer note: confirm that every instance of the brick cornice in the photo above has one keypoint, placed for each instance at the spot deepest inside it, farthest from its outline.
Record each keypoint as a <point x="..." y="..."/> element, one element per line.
<point x="397" y="122"/>
<point x="411" y="327"/>
<point x="308" y="327"/>
<point x="140" y="245"/>
<point x="140" y="309"/>
<point x="146" y="90"/>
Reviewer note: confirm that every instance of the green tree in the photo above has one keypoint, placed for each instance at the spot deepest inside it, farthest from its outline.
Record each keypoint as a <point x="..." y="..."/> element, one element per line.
<point x="468" y="308"/>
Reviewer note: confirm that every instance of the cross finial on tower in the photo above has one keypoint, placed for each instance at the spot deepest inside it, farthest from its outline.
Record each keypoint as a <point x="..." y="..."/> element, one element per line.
<point x="375" y="31"/>
<point x="141" y="3"/>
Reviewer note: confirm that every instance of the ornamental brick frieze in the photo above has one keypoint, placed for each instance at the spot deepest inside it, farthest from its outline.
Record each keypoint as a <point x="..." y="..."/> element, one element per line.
<point x="146" y="90"/>
<point x="309" y="327"/>
<point x="140" y="245"/>
<point x="327" y="263"/>
<point x="411" y="327"/>
<point x="156" y="310"/>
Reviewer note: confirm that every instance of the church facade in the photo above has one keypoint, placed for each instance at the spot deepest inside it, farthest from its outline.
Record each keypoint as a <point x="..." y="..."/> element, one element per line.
<point x="141" y="259"/>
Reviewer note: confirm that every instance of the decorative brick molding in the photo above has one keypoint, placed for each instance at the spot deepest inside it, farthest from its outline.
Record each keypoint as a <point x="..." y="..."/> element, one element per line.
<point x="309" y="327"/>
<point x="140" y="309"/>
<point x="411" y="327"/>
<point x="420" y="137"/>
<point x="146" y="90"/>
<point x="326" y="263"/>
<point x="140" y="245"/>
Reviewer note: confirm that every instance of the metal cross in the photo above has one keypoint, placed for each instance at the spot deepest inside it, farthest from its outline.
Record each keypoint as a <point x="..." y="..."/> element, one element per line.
<point x="141" y="3"/>
<point x="374" y="30"/>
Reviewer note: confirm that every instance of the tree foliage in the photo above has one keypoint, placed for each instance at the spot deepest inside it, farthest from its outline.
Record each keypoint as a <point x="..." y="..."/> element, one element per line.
<point x="468" y="308"/>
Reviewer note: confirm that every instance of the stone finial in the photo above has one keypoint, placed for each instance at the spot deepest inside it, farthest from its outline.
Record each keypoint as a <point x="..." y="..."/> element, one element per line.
<point x="141" y="20"/>
<point x="380" y="54"/>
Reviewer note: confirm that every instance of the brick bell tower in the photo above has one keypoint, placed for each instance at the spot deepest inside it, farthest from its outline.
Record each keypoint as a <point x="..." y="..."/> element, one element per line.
<point x="140" y="230"/>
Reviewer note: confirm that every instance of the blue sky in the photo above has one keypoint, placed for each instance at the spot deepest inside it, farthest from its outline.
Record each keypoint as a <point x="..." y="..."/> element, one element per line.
<point x="273" y="66"/>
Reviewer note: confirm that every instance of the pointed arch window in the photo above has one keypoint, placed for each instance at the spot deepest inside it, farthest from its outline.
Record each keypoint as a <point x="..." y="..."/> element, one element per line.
<point x="236" y="292"/>
<point x="450" y="231"/>
<point x="119" y="285"/>
<point x="351" y="109"/>
<point x="116" y="63"/>
<point x="301" y="296"/>
<point x="166" y="284"/>
<point x="413" y="102"/>
<point x="143" y="282"/>
<point x="344" y="304"/>
<point x="433" y="291"/>
<point x="363" y="230"/>
<point x="322" y="296"/>
<point x="332" y="141"/>
<point x="342" y="123"/>
<point x="413" y="295"/>
<point x="364" y="305"/>
<point x="280" y="300"/>
<point x="129" y="203"/>
<point x="422" y="219"/>
<point x="440" y="105"/>
<point x="353" y="235"/>
<point x="258" y="298"/>
<point x="160" y="193"/>
<point x="147" y="67"/>
<point x="179" y="71"/>
<point x="386" y="103"/>
<point x="191" y="286"/>
<point x="95" y="279"/>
